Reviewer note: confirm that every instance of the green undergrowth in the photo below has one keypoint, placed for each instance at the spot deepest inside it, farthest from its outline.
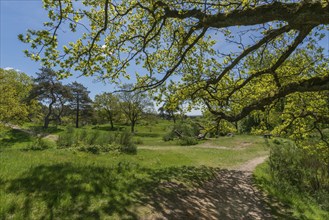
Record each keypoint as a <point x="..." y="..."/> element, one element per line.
<point x="301" y="204"/>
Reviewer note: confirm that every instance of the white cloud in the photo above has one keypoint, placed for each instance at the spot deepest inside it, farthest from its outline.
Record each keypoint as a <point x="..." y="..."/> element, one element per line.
<point x="8" y="68"/>
<point x="11" y="68"/>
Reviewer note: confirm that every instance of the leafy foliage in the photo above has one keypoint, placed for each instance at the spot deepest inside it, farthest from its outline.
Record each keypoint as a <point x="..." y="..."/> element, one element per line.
<point x="180" y="38"/>
<point x="126" y="143"/>
<point x="40" y="144"/>
<point x="134" y="104"/>
<point x="186" y="131"/>
<point x="49" y="90"/>
<point x="108" y="107"/>
<point x="79" y="101"/>
<point x="14" y="89"/>
<point x="96" y="141"/>
<point x="298" y="166"/>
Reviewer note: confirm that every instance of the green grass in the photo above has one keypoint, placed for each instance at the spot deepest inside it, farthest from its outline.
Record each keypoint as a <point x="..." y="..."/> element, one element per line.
<point x="68" y="184"/>
<point x="12" y="138"/>
<point x="74" y="185"/>
<point x="300" y="204"/>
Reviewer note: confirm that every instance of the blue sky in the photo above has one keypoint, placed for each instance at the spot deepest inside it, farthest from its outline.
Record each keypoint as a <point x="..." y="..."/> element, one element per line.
<point x="16" y="16"/>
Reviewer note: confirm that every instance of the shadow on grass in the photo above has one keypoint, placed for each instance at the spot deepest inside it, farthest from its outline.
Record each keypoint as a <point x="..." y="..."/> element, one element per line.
<point x="108" y="128"/>
<point x="152" y="135"/>
<point x="91" y="192"/>
<point x="38" y="129"/>
<point x="15" y="136"/>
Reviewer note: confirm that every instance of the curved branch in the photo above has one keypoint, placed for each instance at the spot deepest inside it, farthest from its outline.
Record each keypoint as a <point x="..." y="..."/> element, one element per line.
<point x="296" y="14"/>
<point x="309" y="85"/>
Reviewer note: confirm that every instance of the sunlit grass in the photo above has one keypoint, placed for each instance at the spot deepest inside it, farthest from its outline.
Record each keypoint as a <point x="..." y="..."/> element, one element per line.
<point x="300" y="204"/>
<point x="69" y="184"/>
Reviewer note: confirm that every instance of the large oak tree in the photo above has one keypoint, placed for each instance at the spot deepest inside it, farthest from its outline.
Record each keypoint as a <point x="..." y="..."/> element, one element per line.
<point x="187" y="38"/>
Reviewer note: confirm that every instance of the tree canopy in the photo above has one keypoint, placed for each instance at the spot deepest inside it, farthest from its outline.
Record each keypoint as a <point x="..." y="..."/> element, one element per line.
<point x="134" y="105"/>
<point x="272" y="50"/>
<point x="80" y="99"/>
<point x="14" y="90"/>
<point x="108" y="104"/>
<point x="50" y="91"/>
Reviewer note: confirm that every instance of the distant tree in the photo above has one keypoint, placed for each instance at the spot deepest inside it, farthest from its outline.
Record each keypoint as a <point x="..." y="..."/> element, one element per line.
<point x="169" y="112"/>
<point x="134" y="104"/>
<point x="80" y="100"/>
<point x="50" y="91"/>
<point x="14" y="89"/>
<point x="107" y="104"/>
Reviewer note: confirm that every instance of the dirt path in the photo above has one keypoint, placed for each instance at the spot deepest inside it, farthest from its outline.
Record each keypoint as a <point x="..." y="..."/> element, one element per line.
<point x="230" y="195"/>
<point x="250" y="165"/>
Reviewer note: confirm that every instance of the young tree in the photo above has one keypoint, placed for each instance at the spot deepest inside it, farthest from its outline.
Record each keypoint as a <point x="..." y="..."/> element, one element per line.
<point x="134" y="104"/>
<point x="14" y="89"/>
<point x="168" y="112"/>
<point x="107" y="104"/>
<point x="80" y="99"/>
<point x="49" y="90"/>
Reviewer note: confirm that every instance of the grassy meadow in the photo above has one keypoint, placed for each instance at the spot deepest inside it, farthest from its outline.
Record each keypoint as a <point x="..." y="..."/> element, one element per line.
<point x="68" y="184"/>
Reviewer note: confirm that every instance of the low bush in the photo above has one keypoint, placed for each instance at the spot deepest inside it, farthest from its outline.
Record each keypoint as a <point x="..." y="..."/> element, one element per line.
<point x="126" y="143"/>
<point x="187" y="141"/>
<point x="138" y="141"/>
<point x="40" y="144"/>
<point x="186" y="131"/>
<point x="96" y="149"/>
<point x="299" y="204"/>
<point x="97" y="142"/>
<point x="168" y="137"/>
<point x="67" y="139"/>
<point x="300" y="167"/>
<point x="91" y="137"/>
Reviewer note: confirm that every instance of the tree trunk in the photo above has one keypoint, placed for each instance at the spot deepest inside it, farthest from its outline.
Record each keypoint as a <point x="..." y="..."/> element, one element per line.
<point x="112" y="125"/>
<point x="236" y="126"/>
<point x="77" y="112"/>
<point x="217" y="129"/>
<point x="111" y="120"/>
<point x="50" y="110"/>
<point x="174" y="118"/>
<point x="133" y="127"/>
<point x="46" y="122"/>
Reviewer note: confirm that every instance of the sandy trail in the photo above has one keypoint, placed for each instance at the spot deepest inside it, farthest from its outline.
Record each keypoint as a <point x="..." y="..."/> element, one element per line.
<point x="230" y="195"/>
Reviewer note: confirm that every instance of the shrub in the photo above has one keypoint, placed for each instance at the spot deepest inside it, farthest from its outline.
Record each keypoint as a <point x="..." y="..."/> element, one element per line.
<point x="92" y="137"/>
<point x="96" y="149"/>
<point x="277" y="141"/>
<point x="168" y="137"/>
<point x="128" y="149"/>
<point x="186" y="141"/>
<point x="126" y="144"/>
<point x="297" y="166"/>
<point x="96" y="141"/>
<point x="138" y="141"/>
<point x="41" y="144"/>
<point x="186" y="131"/>
<point x="67" y="139"/>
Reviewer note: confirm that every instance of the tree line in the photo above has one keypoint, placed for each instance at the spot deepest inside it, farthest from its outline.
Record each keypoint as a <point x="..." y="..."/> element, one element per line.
<point x="46" y="98"/>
